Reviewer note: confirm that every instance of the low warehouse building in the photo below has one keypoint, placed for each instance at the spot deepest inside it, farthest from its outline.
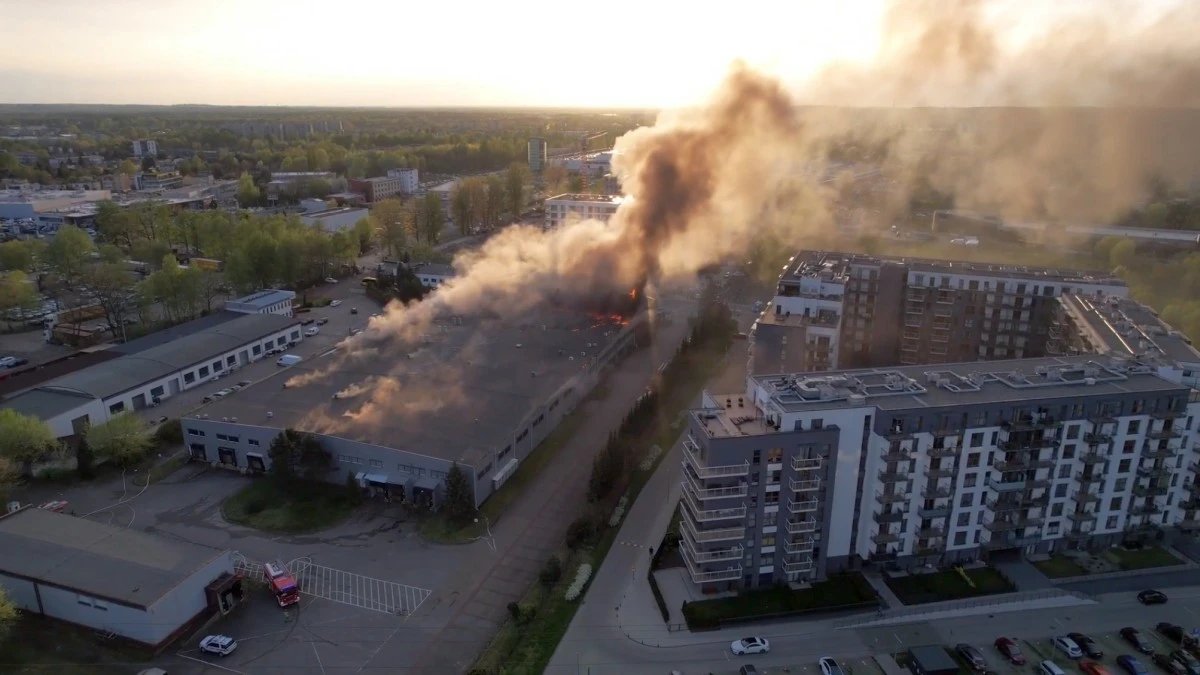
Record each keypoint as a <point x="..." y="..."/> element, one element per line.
<point x="121" y="582"/>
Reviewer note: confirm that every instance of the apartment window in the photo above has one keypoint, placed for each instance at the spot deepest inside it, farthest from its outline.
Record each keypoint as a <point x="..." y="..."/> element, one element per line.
<point x="216" y="366"/>
<point x="1127" y="448"/>
<point x="1134" y="425"/>
<point x="966" y="499"/>
<point x="1072" y="432"/>
<point x="1069" y="451"/>
<point x="970" y="480"/>
<point x="1111" y="523"/>
<point x="968" y="323"/>
<point x="1121" y="484"/>
<point x="964" y="520"/>
<point x="960" y="539"/>
<point x="157" y="392"/>
<point x="116" y="407"/>
<point x="768" y="540"/>
<point x="1115" y="504"/>
<point x="981" y="420"/>
<point x="343" y="458"/>
<point x="977" y="439"/>
<point x="770" y="519"/>
<point x="296" y="335"/>
<point x="1057" y="509"/>
<point x="1060" y="490"/>
<point x="91" y="602"/>
<point x="1064" y="471"/>
<point x="774" y="455"/>
<point x="973" y="459"/>
<point x="1139" y="406"/>
<point x="1123" y="467"/>
<point x="256" y="349"/>
<point x="231" y="361"/>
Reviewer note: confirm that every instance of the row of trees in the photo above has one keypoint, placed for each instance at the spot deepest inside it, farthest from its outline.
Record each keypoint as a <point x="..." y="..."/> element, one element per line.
<point x="479" y="202"/>
<point x="25" y="440"/>
<point x="397" y="224"/>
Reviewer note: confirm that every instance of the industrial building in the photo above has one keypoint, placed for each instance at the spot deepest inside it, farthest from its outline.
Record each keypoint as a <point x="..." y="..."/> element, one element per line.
<point x="479" y="393"/>
<point x="332" y="220"/>
<point x="380" y="187"/>
<point x="270" y="301"/>
<point x="842" y="310"/>
<point x="432" y="275"/>
<point x="568" y="207"/>
<point x="154" y="368"/>
<point x="806" y="474"/>
<point x="410" y="179"/>
<point x="120" y="582"/>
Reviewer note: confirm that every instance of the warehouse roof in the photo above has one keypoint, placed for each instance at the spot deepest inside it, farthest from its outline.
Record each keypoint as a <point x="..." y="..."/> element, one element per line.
<point x="120" y="375"/>
<point x="102" y="561"/>
<point x="46" y="403"/>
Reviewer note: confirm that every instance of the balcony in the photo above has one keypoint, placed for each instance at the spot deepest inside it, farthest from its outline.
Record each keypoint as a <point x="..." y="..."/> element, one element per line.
<point x="1078" y="534"/>
<point x="944" y="472"/>
<point x="708" y="515"/>
<point x="1006" y="484"/>
<point x="1146" y="509"/>
<point x="1085" y="478"/>
<point x="804" y="506"/>
<point x="934" y="512"/>
<point x="1085" y="496"/>
<point x="1149" y="452"/>
<point x="713" y="493"/>
<point x="806" y="463"/>
<point x="885" y="537"/>
<point x="937" y="453"/>
<point x="692" y="456"/>
<point x="1082" y="516"/>
<point x="733" y="573"/>
<point x="937" y="493"/>
<point x="1043" y="463"/>
<point x="1101" y="418"/>
<point x="898" y="435"/>
<point x="801" y="564"/>
<point x="805" y="545"/>
<point x="719" y="534"/>
<point x="1005" y="505"/>
<point x="800" y="526"/>
<point x="1093" y="458"/>
<point x="929" y="548"/>
<point x="710" y="556"/>
<point x="1027" y="445"/>
<point x="1092" y="438"/>
<point x="1154" y="471"/>
<point x="1168" y="414"/>
<point x="804" y="485"/>
<point x="1008" y="466"/>
<point x="890" y="516"/>
<point x="1164" y="433"/>
<point x="890" y="497"/>
<point x="893" y="456"/>
<point x="1192" y="486"/>
<point x="1152" y="490"/>
<point x="1009" y="524"/>
<point x="931" y="533"/>
<point x="1030" y="423"/>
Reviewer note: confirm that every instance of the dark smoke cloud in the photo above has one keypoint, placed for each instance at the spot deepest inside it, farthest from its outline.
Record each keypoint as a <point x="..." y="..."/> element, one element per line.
<point x="1083" y="113"/>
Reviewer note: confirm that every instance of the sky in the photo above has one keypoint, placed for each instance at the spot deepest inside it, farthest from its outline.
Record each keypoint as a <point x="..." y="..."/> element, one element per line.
<point x="519" y="53"/>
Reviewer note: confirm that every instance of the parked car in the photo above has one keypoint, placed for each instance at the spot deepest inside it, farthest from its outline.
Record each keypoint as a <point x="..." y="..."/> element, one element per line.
<point x="335" y="303"/>
<point x="750" y="645"/>
<point x="1011" y="651"/>
<point x="1152" y="597"/>
<point x="218" y="644"/>
<point x="308" y="322"/>
<point x="354" y="310"/>
<point x="1068" y="647"/>
<point x="1088" y="645"/>
<point x="322" y="321"/>
<point x="245" y="383"/>
<point x="8" y="361"/>
<point x="829" y="666"/>
<point x="311" y="331"/>
<point x="1168" y="664"/>
<point x="1185" y="659"/>
<point x="1175" y="633"/>
<point x="746" y="669"/>
<point x="1093" y="668"/>
<point x="971" y="655"/>
<point x="1131" y="665"/>
<point x="330" y="280"/>
<point x="1135" y="639"/>
<point x="1049" y="667"/>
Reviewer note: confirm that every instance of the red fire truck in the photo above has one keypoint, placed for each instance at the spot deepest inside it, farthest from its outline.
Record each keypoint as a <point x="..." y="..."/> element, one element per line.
<point x="283" y="585"/>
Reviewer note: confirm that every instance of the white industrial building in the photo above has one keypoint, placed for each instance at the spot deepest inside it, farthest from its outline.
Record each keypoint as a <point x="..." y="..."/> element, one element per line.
<point x="146" y="375"/>
<point x="332" y="220"/>
<point x="270" y="301"/>
<point x="117" y="581"/>
<point x="409" y="179"/>
<point x="570" y="207"/>
<point x="432" y="275"/>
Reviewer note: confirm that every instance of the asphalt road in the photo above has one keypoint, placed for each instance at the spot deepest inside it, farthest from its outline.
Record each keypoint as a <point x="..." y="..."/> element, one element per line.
<point x="1133" y="584"/>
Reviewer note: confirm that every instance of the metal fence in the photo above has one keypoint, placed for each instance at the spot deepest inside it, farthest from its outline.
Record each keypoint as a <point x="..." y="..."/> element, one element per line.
<point x="933" y="608"/>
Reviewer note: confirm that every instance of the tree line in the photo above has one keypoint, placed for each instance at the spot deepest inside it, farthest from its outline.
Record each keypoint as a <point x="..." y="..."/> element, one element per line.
<point x="479" y="202"/>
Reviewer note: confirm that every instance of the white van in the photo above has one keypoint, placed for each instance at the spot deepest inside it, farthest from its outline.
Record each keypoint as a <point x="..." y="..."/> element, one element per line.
<point x="288" y="360"/>
<point x="1049" y="667"/>
<point x="311" y="331"/>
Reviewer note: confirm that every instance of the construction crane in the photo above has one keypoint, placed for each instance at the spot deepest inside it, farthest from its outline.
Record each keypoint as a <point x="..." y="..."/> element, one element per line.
<point x="583" y="149"/>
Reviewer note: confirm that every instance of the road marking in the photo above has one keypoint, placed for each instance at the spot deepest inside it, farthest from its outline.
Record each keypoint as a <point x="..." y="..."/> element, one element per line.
<point x="208" y="663"/>
<point x="318" y="655"/>
<point x="379" y="595"/>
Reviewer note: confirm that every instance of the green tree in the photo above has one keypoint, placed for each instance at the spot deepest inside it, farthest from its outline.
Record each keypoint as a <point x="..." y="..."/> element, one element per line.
<point x="124" y="439"/>
<point x="68" y="253"/>
<point x="365" y="234"/>
<point x="515" y="181"/>
<point x="461" y="208"/>
<point x="431" y="218"/>
<point x="16" y="292"/>
<point x="460" y="497"/>
<point x="1155" y="216"/>
<point x="297" y="457"/>
<point x="128" y="168"/>
<point x="494" y="200"/>
<point x="9" y="615"/>
<point x="393" y="220"/>
<point x="248" y="193"/>
<point x="110" y="284"/>
<point x="24" y="439"/>
<point x="1123" y="253"/>
<point x="19" y="254"/>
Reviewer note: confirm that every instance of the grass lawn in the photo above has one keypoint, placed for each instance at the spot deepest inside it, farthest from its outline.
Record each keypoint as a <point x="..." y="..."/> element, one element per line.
<point x="1143" y="558"/>
<point x="38" y="646"/>
<point x="263" y="505"/>
<point x="1060" y="566"/>
<point x="838" y="592"/>
<point x="917" y="589"/>
<point x="160" y="471"/>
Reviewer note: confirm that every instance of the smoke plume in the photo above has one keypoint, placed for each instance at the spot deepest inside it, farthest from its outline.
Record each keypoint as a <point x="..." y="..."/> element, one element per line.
<point x="1072" y="122"/>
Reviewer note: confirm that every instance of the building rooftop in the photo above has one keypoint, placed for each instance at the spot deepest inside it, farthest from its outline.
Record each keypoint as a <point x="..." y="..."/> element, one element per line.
<point x="102" y="561"/>
<point x="27" y="377"/>
<point x="119" y="375"/>
<point x="448" y="186"/>
<point x="436" y="269"/>
<point x="46" y="403"/>
<point x="596" y="199"/>
<point x="463" y="390"/>
<point x="336" y="211"/>
<point x="266" y="298"/>
<point x="922" y="388"/>
<point x="836" y="265"/>
<point x="1119" y="326"/>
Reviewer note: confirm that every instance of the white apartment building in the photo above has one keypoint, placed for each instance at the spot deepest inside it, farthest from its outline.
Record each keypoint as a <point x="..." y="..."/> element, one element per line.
<point x="569" y="207"/>
<point x="537" y="152"/>
<point x="808" y="474"/>
<point x="145" y="148"/>
<point x="409" y="179"/>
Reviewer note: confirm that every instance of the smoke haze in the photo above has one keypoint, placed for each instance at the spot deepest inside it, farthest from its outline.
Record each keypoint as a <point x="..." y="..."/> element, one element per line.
<point x="1104" y="96"/>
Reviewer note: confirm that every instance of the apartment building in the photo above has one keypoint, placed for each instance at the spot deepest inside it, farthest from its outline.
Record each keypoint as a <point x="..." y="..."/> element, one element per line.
<point x="378" y="188"/>
<point x="409" y="179"/>
<point x="839" y="310"/>
<point x="803" y="475"/>
<point x="536" y="149"/>
<point x="568" y="207"/>
<point x="145" y="148"/>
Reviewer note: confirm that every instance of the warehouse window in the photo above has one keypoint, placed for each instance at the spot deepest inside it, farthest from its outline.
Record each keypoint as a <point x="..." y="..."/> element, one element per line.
<point x="257" y="350"/>
<point x="203" y="371"/>
<point x="376" y="464"/>
<point x="521" y="436"/>
<point x="252" y="442"/>
<point x="195" y="432"/>
<point x="116" y="407"/>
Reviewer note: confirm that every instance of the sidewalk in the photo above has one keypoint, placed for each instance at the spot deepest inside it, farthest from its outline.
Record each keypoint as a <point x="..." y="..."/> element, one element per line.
<point x="885" y="592"/>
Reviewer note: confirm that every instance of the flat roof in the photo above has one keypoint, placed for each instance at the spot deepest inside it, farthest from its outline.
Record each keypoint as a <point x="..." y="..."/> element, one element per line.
<point x="458" y="394"/>
<point x="337" y="210"/>
<point x="119" y="375"/>
<point x="264" y="298"/>
<point x="595" y="199"/>
<point x="46" y="403"/>
<point x="952" y="385"/>
<point x="27" y="377"/>
<point x="1123" y="326"/>
<point x="102" y="561"/>
<point x="806" y="264"/>
<point x="436" y="269"/>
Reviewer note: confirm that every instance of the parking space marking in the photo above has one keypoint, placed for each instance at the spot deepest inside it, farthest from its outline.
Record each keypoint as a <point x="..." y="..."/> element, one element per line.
<point x="379" y="595"/>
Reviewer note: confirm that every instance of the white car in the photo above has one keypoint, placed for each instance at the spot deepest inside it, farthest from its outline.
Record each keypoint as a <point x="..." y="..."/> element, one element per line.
<point x="218" y="644"/>
<point x="750" y="645"/>
<point x="311" y="331"/>
<point x="335" y="303"/>
<point x="1067" y="646"/>
<point x="829" y="666"/>
<point x="330" y="280"/>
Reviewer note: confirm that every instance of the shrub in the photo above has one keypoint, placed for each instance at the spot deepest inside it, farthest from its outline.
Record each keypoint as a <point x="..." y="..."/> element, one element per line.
<point x="551" y="572"/>
<point x="582" y="576"/>
<point x="255" y="506"/>
<point x="658" y="598"/>
<point x="619" y="512"/>
<point x="580" y="532"/>
<point x="169" y="433"/>
<point x="56" y="474"/>
<point x="514" y="610"/>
